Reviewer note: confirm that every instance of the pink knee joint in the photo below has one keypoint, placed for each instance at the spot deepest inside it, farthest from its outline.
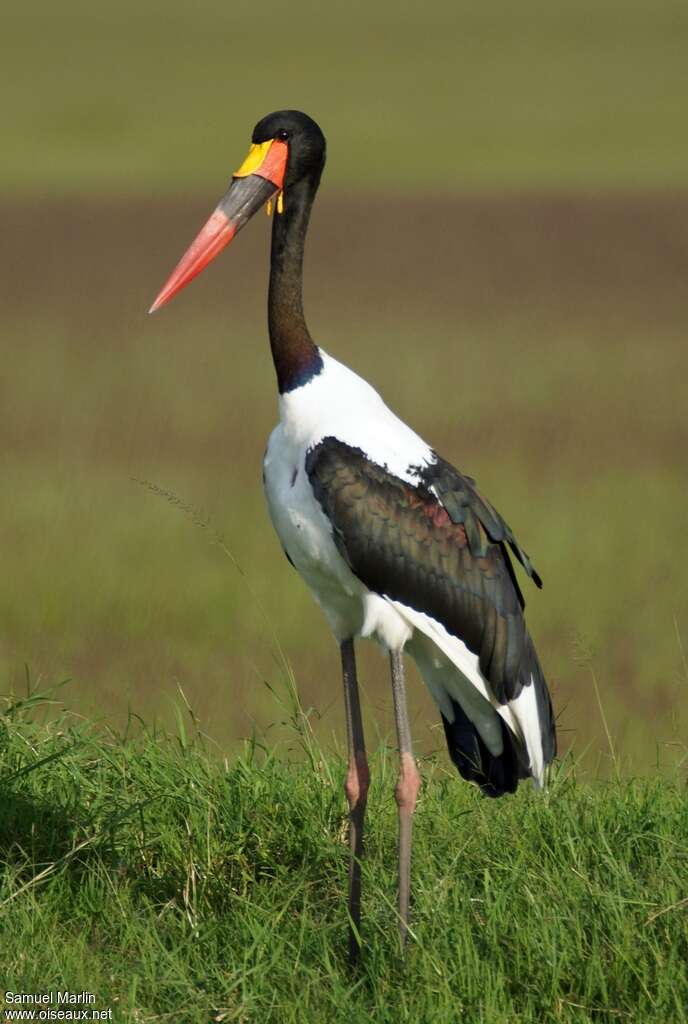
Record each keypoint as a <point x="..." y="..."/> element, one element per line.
<point x="408" y="784"/>
<point x="357" y="781"/>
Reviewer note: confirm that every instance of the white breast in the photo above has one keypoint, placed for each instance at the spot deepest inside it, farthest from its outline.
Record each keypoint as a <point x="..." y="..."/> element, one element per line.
<point x="336" y="403"/>
<point x="305" y="534"/>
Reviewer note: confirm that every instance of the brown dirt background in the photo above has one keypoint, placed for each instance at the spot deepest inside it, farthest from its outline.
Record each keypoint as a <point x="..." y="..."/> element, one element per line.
<point x="537" y="340"/>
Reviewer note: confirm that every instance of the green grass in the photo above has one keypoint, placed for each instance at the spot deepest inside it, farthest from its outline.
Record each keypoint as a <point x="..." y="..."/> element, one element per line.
<point x="161" y="96"/>
<point x="175" y="885"/>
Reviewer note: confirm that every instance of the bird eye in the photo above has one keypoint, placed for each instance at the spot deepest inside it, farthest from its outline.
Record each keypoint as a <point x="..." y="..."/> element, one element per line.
<point x="283" y="135"/>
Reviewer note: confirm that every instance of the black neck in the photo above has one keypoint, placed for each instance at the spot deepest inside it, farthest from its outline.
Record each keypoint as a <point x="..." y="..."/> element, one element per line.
<point x="294" y="352"/>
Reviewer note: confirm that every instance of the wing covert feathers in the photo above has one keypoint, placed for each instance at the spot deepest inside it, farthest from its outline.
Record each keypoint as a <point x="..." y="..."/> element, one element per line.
<point x="445" y="558"/>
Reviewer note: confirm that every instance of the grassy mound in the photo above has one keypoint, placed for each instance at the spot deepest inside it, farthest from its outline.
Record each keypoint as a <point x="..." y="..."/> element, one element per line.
<point x="174" y="885"/>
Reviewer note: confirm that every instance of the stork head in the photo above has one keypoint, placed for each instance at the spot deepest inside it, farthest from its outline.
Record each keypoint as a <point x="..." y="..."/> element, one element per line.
<point x="286" y="147"/>
<point x="302" y="136"/>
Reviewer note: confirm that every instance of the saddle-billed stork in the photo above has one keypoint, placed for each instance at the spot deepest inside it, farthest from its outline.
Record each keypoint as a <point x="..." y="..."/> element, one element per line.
<point x="394" y="543"/>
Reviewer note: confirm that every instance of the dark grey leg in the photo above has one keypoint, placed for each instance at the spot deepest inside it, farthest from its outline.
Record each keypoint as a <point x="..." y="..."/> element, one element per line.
<point x="356" y="789"/>
<point x="406" y="792"/>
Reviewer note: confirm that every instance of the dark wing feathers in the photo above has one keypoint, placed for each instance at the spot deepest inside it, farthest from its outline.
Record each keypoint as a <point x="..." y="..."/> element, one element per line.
<point x="444" y="557"/>
<point x="466" y="505"/>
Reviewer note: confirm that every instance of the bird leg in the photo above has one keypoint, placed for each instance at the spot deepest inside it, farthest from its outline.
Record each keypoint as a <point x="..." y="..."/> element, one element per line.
<point x="406" y="791"/>
<point x="356" y="789"/>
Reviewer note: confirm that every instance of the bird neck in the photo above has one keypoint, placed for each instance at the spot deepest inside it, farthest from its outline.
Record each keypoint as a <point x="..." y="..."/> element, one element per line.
<point x="294" y="353"/>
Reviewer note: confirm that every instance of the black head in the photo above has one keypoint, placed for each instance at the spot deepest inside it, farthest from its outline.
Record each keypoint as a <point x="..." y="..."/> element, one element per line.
<point x="303" y="136"/>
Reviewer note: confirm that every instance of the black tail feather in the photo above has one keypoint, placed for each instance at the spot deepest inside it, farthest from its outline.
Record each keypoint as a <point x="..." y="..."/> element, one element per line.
<point x="495" y="775"/>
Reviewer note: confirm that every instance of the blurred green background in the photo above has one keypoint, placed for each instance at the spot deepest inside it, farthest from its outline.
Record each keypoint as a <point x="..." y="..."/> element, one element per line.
<point x="500" y="246"/>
